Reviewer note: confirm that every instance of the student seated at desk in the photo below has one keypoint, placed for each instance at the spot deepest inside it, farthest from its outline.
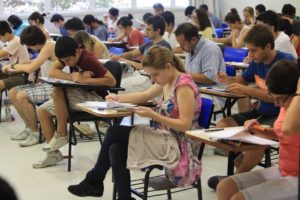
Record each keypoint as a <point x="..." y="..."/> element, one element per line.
<point x="279" y="182"/>
<point x="25" y="97"/>
<point x="92" y="44"/>
<point x="16" y="52"/>
<point x="95" y="27"/>
<point x="204" y="58"/>
<point x="111" y="20"/>
<point x="169" y="35"/>
<point x="37" y="19"/>
<point x="59" y="22"/>
<point x="248" y="14"/>
<point x="260" y="42"/>
<point x="131" y="35"/>
<point x="201" y="20"/>
<point x="17" y="24"/>
<point x="85" y="68"/>
<point x="136" y="147"/>
<point x="73" y="25"/>
<point x="155" y="28"/>
<point x="238" y="30"/>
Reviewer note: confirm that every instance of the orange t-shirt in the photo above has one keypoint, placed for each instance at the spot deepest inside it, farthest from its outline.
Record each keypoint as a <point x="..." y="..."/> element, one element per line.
<point x="136" y="37"/>
<point x="289" y="147"/>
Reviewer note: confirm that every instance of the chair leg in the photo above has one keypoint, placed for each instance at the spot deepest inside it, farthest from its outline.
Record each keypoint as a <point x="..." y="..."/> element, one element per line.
<point x="199" y="189"/>
<point x="114" y="192"/>
<point x="98" y="132"/>
<point x="1" y="104"/>
<point x="169" y="195"/>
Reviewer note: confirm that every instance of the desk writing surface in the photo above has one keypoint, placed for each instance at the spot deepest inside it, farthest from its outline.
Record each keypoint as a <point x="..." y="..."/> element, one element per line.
<point x="225" y="94"/>
<point x="197" y="136"/>
<point x="104" y="113"/>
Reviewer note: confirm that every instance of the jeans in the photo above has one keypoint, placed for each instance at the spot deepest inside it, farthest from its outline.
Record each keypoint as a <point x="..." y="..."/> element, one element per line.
<point x="113" y="154"/>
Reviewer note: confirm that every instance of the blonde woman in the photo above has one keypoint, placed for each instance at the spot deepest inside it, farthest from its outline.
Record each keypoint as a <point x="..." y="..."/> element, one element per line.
<point x="136" y="147"/>
<point x="92" y="44"/>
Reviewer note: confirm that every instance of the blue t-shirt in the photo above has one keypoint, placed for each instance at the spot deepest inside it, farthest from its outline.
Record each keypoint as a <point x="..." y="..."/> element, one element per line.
<point x="144" y="48"/>
<point x="256" y="73"/>
<point x="63" y="31"/>
<point x="20" y="29"/>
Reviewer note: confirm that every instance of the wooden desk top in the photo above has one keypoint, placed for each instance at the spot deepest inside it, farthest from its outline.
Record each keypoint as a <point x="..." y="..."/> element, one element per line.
<point x="237" y="65"/>
<point x="205" y="90"/>
<point x="227" y="147"/>
<point x="104" y="113"/>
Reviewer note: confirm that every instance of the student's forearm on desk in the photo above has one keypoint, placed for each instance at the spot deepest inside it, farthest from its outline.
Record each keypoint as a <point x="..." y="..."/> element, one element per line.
<point x="134" y="64"/>
<point x="291" y="125"/>
<point x="107" y="81"/>
<point x="267" y="134"/>
<point x="176" y="124"/>
<point x="237" y="79"/>
<point x="259" y="94"/>
<point x="200" y="78"/>
<point x="57" y="73"/>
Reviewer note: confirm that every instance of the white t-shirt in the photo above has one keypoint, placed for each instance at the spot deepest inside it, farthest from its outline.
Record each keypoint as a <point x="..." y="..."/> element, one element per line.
<point x="171" y="39"/>
<point x="283" y="43"/>
<point x="17" y="51"/>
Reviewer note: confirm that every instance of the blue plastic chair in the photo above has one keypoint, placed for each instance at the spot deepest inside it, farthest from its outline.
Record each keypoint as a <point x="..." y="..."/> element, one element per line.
<point x="224" y="25"/>
<point x="234" y="54"/>
<point x="116" y="50"/>
<point x="219" y="32"/>
<point x="207" y="109"/>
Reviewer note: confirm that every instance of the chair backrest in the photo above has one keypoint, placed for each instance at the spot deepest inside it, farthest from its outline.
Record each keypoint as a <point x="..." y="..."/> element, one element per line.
<point x="219" y="32"/>
<point x="224" y="25"/>
<point x="234" y="54"/>
<point x="115" y="69"/>
<point x="230" y="71"/>
<point x="207" y="109"/>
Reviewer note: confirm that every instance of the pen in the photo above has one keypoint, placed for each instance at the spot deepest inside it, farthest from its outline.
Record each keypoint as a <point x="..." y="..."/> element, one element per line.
<point x="108" y="92"/>
<point x="213" y="129"/>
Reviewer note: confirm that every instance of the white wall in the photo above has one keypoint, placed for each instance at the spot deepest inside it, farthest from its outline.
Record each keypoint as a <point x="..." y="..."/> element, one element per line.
<point x="276" y="5"/>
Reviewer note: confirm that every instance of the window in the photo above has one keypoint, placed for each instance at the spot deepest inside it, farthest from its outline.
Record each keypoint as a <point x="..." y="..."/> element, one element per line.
<point x="22" y="6"/>
<point x="150" y="3"/>
<point x="102" y="4"/>
<point x="182" y="3"/>
<point x="69" y="5"/>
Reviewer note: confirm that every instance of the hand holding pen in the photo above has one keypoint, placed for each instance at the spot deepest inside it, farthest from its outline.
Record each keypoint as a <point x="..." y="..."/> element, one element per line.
<point x="111" y="97"/>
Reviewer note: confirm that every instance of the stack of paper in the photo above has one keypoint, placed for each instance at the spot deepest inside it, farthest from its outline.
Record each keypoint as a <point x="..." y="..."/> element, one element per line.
<point x="109" y="105"/>
<point x="235" y="133"/>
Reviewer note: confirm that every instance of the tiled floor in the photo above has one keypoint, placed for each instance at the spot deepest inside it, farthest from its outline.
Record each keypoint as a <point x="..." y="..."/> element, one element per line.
<point x="51" y="183"/>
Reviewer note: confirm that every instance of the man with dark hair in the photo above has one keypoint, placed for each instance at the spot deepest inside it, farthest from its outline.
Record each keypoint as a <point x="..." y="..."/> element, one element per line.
<point x="260" y="43"/>
<point x="188" y="12"/>
<point x="111" y="21"/>
<point x="59" y="21"/>
<point x="25" y="97"/>
<point x="16" y="52"/>
<point x="155" y="29"/>
<point x="289" y="11"/>
<point x="213" y="18"/>
<point x="282" y="41"/>
<point x="169" y="35"/>
<point x="17" y="24"/>
<point x="158" y="8"/>
<point x="73" y="25"/>
<point x="203" y="58"/>
<point x="260" y="8"/>
<point x="85" y="68"/>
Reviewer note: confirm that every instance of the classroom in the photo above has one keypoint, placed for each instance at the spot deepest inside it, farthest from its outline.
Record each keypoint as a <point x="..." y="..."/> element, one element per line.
<point x="131" y="99"/>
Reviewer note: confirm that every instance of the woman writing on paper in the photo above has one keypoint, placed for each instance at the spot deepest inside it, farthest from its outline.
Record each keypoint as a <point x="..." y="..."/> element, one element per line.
<point x="281" y="181"/>
<point x="136" y="147"/>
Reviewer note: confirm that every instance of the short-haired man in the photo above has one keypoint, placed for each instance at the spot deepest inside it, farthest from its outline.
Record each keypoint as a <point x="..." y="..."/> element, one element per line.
<point x="85" y="68"/>
<point x="73" y="25"/>
<point x="188" y="12"/>
<point x="169" y="35"/>
<point x="158" y="8"/>
<point x="260" y="43"/>
<point x="59" y="22"/>
<point x="15" y="51"/>
<point x="155" y="29"/>
<point x="260" y="8"/>
<point x="25" y="97"/>
<point x="204" y="59"/>
<point x="282" y="40"/>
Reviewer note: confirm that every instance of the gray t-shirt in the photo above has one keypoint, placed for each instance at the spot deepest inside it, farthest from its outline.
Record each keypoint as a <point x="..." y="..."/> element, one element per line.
<point x="206" y="59"/>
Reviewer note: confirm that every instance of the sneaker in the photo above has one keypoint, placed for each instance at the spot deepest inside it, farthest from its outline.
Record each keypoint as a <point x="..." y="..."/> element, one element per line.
<point x="21" y="136"/>
<point x="214" y="181"/>
<point x="51" y="159"/>
<point x="56" y="143"/>
<point x="32" y="139"/>
<point x="84" y="189"/>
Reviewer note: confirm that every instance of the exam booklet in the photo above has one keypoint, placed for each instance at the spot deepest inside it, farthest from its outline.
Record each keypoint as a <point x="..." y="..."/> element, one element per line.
<point x="109" y="105"/>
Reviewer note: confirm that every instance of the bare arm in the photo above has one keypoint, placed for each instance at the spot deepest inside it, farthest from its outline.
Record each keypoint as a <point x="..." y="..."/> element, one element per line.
<point x="226" y="40"/>
<point x="3" y="54"/>
<point x="134" y="64"/>
<point x="117" y="39"/>
<point x="56" y="71"/>
<point x="186" y="103"/>
<point x="138" y="97"/>
<point x="240" y="43"/>
<point x="291" y="123"/>
<point x="200" y="78"/>
<point x="46" y="53"/>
